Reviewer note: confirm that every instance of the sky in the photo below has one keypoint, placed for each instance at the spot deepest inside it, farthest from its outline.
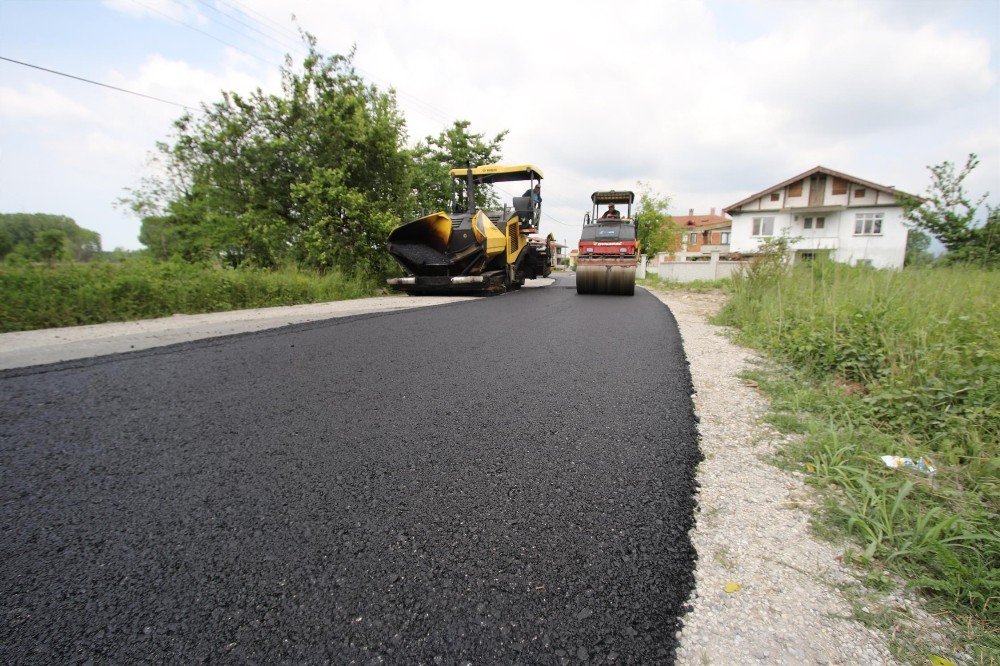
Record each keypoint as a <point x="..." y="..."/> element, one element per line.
<point x="703" y="101"/>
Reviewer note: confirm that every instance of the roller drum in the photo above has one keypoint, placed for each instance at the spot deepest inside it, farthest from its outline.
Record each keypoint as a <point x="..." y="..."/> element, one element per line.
<point x="608" y="280"/>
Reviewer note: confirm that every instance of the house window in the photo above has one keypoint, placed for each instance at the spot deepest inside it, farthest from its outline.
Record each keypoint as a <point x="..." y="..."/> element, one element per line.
<point x="860" y="192"/>
<point x="693" y="240"/>
<point x="839" y="186"/>
<point x="820" y="222"/>
<point x="775" y="196"/>
<point x="795" y="189"/>
<point x="807" y="223"/>
<point x="763" y="226"/>
<point x="868" y="224"/>
<point x="724" y="238"/>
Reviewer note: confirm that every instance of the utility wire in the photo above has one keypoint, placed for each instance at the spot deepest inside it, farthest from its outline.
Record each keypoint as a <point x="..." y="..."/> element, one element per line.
<point x="261" y="18"/>
<point x="283" y="44"/>
<point x="423" y="108"/>
<point x="418" y="105"/>
<point x="98" y="83"/>
<point x="511" y="195"/>
<point x="565" y="224"/>
<point x="202" y="32"/>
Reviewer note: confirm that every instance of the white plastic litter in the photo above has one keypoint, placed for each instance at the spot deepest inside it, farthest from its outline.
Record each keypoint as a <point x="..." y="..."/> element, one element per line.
<point x="922" y="465"/>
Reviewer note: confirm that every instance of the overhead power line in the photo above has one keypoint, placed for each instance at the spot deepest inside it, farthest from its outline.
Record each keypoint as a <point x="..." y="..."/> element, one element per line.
<point x="418" y="105"/>
<point x="282" y="44"/>
<point x="202" y="32"/>
<point x="249" y="12"/>
<point x="98" y="83"/>
<point x="557" y="221"/>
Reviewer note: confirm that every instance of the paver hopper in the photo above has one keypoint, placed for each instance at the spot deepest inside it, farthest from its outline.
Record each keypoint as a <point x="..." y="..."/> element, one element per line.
<point x="471" y="249"/>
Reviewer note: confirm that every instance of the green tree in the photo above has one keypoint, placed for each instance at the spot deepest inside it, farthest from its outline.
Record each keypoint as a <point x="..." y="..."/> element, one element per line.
<point x="655" y="228"/>
<point x="22" y="230"/>
<point x="51" y="245"/>
<point x="949" y="214"/>
<point x="917" y="253"/>
<point x="6" y="244"/>
<point x="317" y="174"/>
<point x="456" y="146"/>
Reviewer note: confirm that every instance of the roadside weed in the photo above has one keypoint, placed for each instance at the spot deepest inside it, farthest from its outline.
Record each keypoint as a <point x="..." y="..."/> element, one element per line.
<point x="865" y="363"/>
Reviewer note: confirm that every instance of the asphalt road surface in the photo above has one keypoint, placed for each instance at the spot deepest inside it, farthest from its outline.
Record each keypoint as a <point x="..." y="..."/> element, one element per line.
<point x="505" y="480"/>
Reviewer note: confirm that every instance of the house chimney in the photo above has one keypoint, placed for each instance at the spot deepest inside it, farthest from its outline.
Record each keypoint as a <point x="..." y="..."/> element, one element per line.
<point x="690" y="212"/>
<point x="712" y="213"/>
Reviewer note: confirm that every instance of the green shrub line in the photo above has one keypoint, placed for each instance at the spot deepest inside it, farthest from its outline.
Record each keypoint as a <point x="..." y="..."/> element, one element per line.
<point x="869" y="363"/>
<point x="70" y="294"/>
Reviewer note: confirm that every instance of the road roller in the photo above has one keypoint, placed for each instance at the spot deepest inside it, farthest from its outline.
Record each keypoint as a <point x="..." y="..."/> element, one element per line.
<point x="609" y="249"/>
<point x="471" y="250"/>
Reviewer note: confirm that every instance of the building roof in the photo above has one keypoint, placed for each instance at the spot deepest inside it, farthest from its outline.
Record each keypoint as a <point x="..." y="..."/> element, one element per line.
<point x="709" y="221"/>
<point x="888" y="189"/>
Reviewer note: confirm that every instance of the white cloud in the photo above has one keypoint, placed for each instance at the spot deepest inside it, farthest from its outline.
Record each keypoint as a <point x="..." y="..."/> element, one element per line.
<point x="38" y="102"/>
<point x="185" y="83"/>
<point x="866" y="76"/>
<point x="704" y="102"/>
<point x="652" y="91"/>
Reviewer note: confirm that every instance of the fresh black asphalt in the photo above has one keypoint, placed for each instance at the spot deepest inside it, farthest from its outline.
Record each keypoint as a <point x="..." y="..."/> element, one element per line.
<point x="507" y="480"/>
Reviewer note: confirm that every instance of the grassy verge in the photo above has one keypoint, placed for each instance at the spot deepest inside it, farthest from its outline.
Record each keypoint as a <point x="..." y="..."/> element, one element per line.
<point x="698" y="286"/>
<point x="870" y="363"/>
<point x="34" y="297"/>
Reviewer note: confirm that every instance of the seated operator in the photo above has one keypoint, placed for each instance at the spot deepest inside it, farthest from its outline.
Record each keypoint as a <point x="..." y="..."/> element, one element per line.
<point x="611" y="213"/>
<point x="536" y="199"/>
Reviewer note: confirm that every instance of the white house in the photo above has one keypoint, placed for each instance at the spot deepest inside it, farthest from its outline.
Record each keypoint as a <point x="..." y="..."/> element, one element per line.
<point x="830" y="213"/>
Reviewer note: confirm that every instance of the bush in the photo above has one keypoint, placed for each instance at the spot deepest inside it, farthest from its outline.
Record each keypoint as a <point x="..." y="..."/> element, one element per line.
<point x="34" y="296"/>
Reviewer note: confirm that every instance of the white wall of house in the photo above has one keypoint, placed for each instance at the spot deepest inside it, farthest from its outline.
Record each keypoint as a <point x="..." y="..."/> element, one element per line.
<point x="885" y="249"/>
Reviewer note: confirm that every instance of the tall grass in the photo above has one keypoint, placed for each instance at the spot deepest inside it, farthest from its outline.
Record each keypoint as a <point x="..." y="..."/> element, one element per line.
<point x="69" y="294"/>
<point x="903" y="363"/>
<point x="924" y="344"/>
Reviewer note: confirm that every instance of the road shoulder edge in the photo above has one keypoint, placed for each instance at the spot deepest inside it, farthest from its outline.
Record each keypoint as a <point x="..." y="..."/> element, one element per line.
<point x="767" y="589"/>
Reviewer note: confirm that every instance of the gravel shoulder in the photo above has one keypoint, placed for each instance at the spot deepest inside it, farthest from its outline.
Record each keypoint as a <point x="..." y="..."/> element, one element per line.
<point x="26" y="348"/>
<point x="753" y="528"/>
<point x="51" y="345"/>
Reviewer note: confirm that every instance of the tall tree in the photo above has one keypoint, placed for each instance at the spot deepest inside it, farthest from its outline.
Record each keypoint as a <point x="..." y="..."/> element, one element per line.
<point x="316" y="174"/>
<point x="950" y="214"/>
<point x="655" y="228"/>
<point x="455" y="146"/>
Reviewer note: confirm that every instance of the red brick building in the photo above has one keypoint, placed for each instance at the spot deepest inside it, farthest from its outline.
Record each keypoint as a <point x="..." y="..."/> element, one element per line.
<point x="701" y="235"/>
